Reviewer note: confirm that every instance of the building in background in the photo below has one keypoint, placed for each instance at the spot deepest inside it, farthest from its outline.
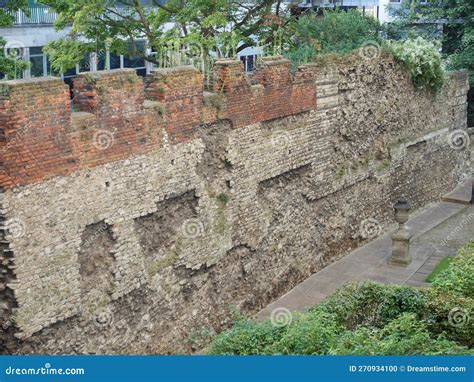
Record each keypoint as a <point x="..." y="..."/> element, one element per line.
<point x="30" y="33"/>
<point x="376" y="8"/>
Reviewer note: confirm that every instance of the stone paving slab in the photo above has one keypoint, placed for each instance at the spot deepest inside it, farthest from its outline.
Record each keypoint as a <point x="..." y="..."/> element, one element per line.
<point x="428" y="248"/>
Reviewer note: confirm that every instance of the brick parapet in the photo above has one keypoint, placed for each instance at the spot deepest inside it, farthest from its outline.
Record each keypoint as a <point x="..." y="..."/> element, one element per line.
<point x="41" y="136"/>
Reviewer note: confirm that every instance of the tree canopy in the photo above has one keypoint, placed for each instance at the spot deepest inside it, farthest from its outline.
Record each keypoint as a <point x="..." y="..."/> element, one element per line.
<point x="11" y="62"/>
<point x="221" y="26"/>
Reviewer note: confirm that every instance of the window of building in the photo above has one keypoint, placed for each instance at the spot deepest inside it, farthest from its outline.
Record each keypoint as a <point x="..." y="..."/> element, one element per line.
<point x="135" y="62"/>
<point x="37" y="62"/>
<point x="114" y="61"/>
<point x="249" y="62"/>
<point x="85" y="63"/>
<point x="41" y="66"/>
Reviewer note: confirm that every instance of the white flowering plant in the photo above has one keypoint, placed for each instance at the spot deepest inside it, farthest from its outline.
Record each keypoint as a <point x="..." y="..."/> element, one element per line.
<point x="423" y="60"/>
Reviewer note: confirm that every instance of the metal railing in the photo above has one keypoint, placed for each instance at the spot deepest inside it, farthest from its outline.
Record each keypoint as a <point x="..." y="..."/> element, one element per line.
<point x="47" y="16"/>
<point x="34" y="16"/>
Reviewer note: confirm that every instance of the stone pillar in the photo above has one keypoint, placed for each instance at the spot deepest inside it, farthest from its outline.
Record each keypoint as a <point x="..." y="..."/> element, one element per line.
<point x="401" y="237"/>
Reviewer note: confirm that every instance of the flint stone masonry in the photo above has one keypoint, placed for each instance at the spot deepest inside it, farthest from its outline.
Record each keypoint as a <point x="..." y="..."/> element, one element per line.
<point x="139" y="222"/>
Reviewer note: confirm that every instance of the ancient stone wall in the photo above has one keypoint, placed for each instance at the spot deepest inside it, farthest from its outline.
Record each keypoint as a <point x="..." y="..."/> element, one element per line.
<point x="141" y="219"/>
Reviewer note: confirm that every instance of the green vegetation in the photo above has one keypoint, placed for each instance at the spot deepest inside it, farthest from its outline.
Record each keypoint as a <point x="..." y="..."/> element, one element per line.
<point x="11" y="5"/>
<point x="204" y="30"/>
<point x="335" y="32"/>
<point x="11" y="62"/>
<point x="223" y="199"/>
<point x="458" y="276"/>
<point x="199" y="26"/>
<point x="422" y="59"/>
<point x="439" y="268"/>
<point x="417" y="19"/>
<point x="370" y="318"/>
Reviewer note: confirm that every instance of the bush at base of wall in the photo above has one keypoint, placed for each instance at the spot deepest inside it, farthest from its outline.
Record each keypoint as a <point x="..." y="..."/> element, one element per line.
<point x="372" y="319"/>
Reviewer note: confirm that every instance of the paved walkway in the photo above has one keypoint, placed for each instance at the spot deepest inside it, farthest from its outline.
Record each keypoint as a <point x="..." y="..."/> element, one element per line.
<point x="437" y="232"/>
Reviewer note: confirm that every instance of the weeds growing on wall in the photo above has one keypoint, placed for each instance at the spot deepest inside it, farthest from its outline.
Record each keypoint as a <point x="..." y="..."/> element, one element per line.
<point x="335" y="31"/>
<point x="423" y="60"/>
<point x="371" y="319"/>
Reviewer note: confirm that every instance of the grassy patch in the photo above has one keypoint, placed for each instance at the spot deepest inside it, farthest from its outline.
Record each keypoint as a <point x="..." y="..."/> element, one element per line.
<point x="439" y="268"/>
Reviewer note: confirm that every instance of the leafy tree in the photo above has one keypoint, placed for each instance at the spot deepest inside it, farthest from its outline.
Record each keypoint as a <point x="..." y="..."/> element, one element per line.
<point x="11" y="64"/>
<point x="195" y="27"/>
<point x="6" y="19"/>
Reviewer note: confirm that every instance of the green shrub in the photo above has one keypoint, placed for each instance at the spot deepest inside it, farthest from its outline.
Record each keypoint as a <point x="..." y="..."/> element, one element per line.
<point x="406" y="335"/>
<point x="458" y="277"/>
<point x="451" y="314"/>
<point x="371" y="318"/>
<point x="310" y="333"/>
<point x="422" y="59"/>
<point x="334" y="32"/>
<point x="372" y="304"/>
<point x="246" y="337"/>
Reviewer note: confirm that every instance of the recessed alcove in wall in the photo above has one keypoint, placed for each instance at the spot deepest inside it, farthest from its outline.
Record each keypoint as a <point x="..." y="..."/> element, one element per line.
<point x="214" y="165"/>
<point x="282" y="194"/>
<point x="96" y="262"/>
<point x="159" y="232"/>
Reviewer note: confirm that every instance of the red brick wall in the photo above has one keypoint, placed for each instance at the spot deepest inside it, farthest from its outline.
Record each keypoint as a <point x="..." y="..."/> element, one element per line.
<point x="35" y="119"/>
<point x="117" y="128"/>
<point x="273" y="95"/>
<point x="40" y="137"/>
<point x="180" y="93"/>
